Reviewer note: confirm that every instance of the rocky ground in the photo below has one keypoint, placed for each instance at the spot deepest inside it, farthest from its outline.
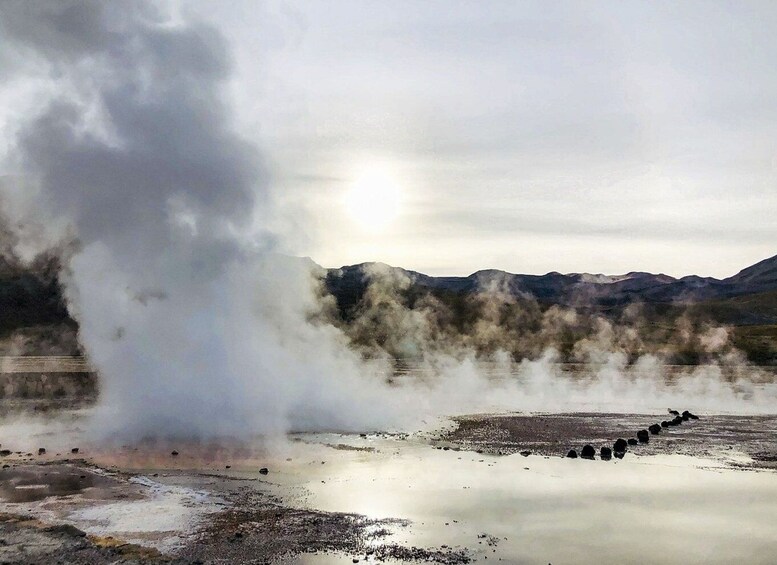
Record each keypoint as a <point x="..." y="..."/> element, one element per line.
<point x="711" y="436"/>
<point x="42" y="499"/>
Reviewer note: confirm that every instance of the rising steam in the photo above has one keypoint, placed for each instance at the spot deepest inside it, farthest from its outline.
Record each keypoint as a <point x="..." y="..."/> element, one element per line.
<point x="194" y="324"/>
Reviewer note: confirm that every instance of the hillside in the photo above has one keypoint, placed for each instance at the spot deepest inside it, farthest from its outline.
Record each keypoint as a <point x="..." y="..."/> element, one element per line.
<point x="34" y="318"/>
<point x="600" y="291"/>
<point x="519" y="309"/>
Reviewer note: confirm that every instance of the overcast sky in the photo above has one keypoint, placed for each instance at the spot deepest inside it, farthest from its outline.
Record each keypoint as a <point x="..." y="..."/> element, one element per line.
<point x="529" y="137"/>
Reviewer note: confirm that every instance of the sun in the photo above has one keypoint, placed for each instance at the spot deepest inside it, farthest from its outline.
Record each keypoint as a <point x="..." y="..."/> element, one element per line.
<point x="373" y="200"/>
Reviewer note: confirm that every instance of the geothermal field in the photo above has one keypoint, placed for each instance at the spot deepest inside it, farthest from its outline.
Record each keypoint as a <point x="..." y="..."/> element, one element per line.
<point x="236" y="319"/>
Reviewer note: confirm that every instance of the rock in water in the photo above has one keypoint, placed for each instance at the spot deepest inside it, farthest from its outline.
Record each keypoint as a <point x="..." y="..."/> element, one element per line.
<point x="41" y="451"/>
<point x="655" y="429"/>
<point x="688" y="416"/>
<point x="572" y="454"/>
<point x="665" y="424"/>
<point x="643" y="436"/>
<point x="619" y="454"/>
<point x="263" y="471"/>
<point x="620" y="445"/>
<point x="605" y="453"/>
<point x="588" y="452"/>
<point x="674" y="412"/>
<point x="633" y="441"/>
<point x="678" y="420"/>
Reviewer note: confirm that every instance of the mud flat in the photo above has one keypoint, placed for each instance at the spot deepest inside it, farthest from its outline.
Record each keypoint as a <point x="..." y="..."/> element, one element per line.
<point x="695" y="494"/>
<point x="742" y="441"/>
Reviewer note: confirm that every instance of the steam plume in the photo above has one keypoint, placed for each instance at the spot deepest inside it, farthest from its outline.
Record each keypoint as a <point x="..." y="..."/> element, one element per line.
<point x="193" y="324"/>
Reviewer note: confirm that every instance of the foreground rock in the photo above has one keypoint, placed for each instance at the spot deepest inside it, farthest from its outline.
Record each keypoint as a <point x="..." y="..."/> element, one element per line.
<point x="26" y="540"/>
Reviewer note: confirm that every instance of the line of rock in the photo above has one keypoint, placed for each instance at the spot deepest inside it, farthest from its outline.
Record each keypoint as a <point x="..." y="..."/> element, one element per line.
<point x="620" y="446"/>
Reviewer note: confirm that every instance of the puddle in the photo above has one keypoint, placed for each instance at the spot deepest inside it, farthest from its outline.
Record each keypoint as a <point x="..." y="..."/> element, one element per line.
<point x="668" y="508"/>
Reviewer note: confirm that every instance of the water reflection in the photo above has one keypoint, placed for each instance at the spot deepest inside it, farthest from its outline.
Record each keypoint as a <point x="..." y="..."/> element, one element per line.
<point x="672" y="509"/>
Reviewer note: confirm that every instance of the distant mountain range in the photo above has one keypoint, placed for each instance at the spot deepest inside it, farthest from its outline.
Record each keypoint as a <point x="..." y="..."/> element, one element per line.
<point x="348" y="284"/>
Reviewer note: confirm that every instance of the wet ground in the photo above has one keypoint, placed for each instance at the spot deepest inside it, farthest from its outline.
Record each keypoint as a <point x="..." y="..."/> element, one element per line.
<point x="701" y="492"/>
<point x="746" y="441"/>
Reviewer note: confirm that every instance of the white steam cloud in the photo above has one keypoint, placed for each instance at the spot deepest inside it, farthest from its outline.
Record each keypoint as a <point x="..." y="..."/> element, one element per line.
<point x="194" y="324"/>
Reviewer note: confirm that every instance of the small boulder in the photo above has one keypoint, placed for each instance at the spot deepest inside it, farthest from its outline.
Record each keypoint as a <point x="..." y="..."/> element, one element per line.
<point x="572" y="454"/>
<point x="174" y="453"/>
<point x="643" y="436"/>
<point x="620" y="445"/>
<point x="263" y="471"/>
<point x="525" y="453"/>
<point x="633" y="441"/>
<point x="678" y="420"/>
<point x="74" y="450"/>
<point x="41" y="451"/>
<point x="674" y="412"/>
<point x="619" y="454"/>
<point x="655" y="429"/>
<point x="605" y="453"/>
<point x="688" y="416"/>
<point x="588" y="452"/>
<point x="664" y="424"/>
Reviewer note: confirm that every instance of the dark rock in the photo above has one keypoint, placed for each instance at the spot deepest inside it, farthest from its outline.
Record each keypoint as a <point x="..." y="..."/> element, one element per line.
<point x="263" y="471"/>
<point x="620" y="445"/>
<point x="526" y="453"/>
<point x="619" y="454"/>
<point x="572" y="454"/>
<point x="688" y="416"/>
<point x="643" y="436"/>
<point x="66" y="529"/>
<point x="74" y="450"/>
<point x="174" y="453"/>
<point x="605" y="453"/>
<point x="588" y="452"/>
<point x="5" y="452"/>
<point x="633" y="441"/>
<point x="655" y="429"/>
<point x="685" y="416"/>
<point x="678" y="420"/>
<point x="674" y="412"/>
<point x="664" y="424"/>
<point x="41" y="450"/>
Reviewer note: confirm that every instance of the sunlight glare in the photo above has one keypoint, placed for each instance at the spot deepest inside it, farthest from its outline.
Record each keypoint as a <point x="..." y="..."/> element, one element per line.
<point x="373" y="200"/>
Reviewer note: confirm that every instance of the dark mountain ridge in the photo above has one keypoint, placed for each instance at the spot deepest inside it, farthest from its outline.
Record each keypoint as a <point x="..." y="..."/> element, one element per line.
<point x="348" y="284"/>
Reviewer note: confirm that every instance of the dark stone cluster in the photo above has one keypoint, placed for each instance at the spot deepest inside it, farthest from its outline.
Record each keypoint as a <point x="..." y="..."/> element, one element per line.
<point x="621" y="445"/>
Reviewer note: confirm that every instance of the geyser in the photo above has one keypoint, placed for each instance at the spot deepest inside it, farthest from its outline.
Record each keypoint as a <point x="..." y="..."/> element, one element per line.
<point x="194" y="324"/>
